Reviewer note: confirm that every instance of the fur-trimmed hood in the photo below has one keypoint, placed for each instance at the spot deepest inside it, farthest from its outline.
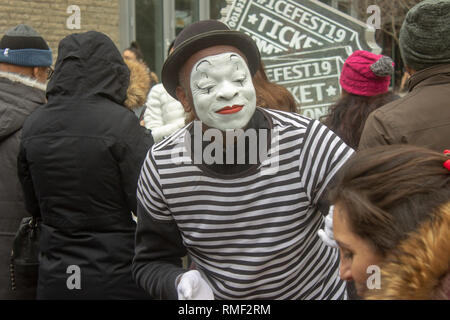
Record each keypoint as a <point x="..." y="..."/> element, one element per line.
<point x="420" y="268"/>
<point x="139" y="84"/>
<point x="14" y="77"/>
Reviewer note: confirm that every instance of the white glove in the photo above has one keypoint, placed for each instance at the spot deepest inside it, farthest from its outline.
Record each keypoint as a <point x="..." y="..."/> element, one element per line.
<point x="327" y="235"/>
<point x="193" y="287"/>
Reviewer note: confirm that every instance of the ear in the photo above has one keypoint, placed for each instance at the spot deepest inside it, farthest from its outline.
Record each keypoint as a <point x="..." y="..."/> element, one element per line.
<point x="35" y="72"/>
<point x="39" y="74"/>
<point x="184" y="99"/>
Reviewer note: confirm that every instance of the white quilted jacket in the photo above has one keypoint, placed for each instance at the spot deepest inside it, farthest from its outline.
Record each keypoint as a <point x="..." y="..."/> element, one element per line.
<point x="164" y="115"/>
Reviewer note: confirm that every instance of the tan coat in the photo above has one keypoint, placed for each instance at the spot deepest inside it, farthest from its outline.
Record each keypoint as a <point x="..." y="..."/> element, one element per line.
<point x="420" y="269"/>
<point x="421" y="118"/>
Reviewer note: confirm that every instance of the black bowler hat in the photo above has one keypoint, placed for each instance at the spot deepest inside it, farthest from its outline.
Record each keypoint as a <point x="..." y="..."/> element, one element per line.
<point x="201" y="35"/>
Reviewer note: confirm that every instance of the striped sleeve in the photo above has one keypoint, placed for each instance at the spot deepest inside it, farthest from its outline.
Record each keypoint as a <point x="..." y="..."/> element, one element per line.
<point x="149" y="191"/>
<point x="323" y="154"/>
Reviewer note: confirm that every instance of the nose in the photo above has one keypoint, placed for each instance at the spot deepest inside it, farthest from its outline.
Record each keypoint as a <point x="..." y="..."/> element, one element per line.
<point x="345" y="271"/>
<point x="227" y="91"/>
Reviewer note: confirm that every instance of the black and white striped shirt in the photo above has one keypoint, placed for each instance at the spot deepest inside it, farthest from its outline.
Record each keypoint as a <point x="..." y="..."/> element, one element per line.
<point x="253" y="235"/>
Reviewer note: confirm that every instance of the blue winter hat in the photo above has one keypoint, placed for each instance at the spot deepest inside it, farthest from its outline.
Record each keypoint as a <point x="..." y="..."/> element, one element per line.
<point x="23" y="46"/>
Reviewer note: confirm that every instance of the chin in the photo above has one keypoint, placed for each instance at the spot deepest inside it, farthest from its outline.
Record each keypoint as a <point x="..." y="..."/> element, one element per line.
<point x="231" y="126"/>
<point x="361" y="289"/>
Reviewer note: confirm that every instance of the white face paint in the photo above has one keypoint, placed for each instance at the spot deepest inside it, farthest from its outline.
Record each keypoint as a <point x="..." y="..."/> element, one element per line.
<point x="223" y="92"/>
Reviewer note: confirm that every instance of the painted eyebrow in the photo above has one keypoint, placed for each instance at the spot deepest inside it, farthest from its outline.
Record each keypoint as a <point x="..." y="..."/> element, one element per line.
<point x="235" y="56"/>
<point x="198" y="65"/>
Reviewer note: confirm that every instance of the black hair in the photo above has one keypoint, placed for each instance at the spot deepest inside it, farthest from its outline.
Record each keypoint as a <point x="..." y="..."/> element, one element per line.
<point x="136" y="49"/>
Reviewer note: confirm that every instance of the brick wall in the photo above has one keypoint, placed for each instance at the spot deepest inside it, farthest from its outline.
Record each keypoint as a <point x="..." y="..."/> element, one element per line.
<point x="49" y="17"/>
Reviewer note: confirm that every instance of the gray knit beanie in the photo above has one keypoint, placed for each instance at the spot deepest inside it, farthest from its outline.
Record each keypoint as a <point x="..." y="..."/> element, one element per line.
<point x="425" y="35"/>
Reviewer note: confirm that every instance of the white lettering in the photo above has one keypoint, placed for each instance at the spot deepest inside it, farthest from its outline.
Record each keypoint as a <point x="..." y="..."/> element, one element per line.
<point x="74" y="280"/>
<point x="74" y="21"/>
<point x="374" y="20"/>
<point x="374" y="281"/>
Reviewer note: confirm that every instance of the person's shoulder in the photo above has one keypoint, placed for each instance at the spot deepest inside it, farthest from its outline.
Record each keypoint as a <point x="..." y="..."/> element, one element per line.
<point x="176" y="140"/>
<point x="382" y="125"/>
<point x="395" y="107"/>
<point x="117" y="111"/>
<point x="287" y="119"/>
<point x="158" y="88"/>
<point x="108" y="118"/>
<point x="30" y="121"/>
<point x="158" y="95"/>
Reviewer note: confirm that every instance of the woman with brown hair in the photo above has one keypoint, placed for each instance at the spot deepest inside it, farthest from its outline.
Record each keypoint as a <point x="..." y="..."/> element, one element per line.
<point x="365" y="80"/>
<point x="392" y="211"/>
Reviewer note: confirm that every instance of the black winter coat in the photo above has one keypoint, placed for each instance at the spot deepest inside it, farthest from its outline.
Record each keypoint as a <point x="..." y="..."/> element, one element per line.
<point x="79" y="164"/>
<point x="19" y="97"/>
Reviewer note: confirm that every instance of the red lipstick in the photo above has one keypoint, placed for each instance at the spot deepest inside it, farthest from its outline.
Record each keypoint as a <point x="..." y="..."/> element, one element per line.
<point x="230" y="110"/>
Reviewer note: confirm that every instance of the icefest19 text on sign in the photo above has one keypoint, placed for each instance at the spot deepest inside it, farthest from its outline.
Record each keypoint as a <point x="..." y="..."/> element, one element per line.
<point x="303" y="46"/>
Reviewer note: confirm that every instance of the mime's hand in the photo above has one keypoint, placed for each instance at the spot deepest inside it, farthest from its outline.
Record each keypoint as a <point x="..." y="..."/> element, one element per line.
<point x="193" y="287"/>
<point x="327" y="235"/>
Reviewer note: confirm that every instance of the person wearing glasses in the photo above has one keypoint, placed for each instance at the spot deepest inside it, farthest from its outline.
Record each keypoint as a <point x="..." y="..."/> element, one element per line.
<point x="25" y="60"/>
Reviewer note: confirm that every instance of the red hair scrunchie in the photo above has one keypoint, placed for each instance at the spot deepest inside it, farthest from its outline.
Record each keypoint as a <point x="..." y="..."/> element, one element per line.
<point x="447" y="163"/>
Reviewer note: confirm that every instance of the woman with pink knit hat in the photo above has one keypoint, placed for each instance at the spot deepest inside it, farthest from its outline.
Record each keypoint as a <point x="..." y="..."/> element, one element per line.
<point x="365" y="80"/>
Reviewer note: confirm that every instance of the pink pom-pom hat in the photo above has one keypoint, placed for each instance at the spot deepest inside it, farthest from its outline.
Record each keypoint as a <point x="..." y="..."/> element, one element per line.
<point x="366" y="74"/>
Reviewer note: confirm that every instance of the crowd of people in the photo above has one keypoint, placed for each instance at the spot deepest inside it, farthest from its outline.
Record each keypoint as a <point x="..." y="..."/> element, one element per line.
<point x="215" y="164"/>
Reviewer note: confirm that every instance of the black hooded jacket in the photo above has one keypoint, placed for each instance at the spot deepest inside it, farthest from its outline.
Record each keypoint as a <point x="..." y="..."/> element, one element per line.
<point x="79" y="164"/>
